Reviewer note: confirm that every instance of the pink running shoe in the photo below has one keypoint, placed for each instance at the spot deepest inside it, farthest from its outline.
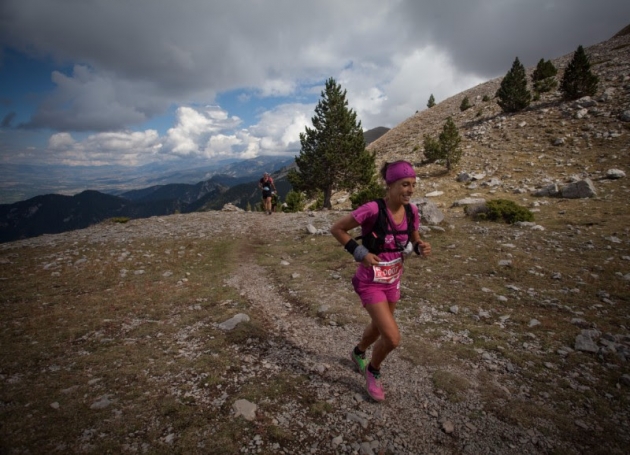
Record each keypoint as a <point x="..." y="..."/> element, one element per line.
<point x="374" y="386"/>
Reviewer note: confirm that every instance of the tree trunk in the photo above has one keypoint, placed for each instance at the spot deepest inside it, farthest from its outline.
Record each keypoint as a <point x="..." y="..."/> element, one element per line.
<point x="327" y="196"/>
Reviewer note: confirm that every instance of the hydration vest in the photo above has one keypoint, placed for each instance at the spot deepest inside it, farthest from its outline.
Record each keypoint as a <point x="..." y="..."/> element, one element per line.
<point x="374" y="241"/>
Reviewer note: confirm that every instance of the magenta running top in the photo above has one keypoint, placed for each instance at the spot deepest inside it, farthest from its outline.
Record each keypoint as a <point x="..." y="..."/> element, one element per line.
<point x="366" y="216"/>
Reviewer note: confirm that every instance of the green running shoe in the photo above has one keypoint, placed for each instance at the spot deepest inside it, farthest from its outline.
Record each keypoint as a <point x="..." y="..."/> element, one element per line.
<point x="359" y="361"/>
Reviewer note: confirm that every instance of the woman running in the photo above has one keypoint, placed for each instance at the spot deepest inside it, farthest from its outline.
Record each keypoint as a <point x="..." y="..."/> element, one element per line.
<point x="377" y="279"/>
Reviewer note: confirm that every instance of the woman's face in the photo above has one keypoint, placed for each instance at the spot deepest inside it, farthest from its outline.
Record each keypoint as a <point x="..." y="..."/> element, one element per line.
<point x="402" y="190"/>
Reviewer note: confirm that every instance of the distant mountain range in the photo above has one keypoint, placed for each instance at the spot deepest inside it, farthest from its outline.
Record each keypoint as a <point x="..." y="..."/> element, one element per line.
<point x="219" y="184"/>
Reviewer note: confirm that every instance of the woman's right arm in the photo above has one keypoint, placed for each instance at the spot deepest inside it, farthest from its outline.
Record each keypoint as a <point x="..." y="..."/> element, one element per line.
<point x="340" y="229"/>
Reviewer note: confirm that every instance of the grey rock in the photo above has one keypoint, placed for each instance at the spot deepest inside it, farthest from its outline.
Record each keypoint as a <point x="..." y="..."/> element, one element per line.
<point x="311" y="229"/>
<point x="355" y="417"/>
<point x="579" y="190"/>
<point x="585" y="343"/>
<point x="581" y="113"/>
<point x="366" y="449"/>
<point x="615" y="174"/>
<point x="585" y="101"/>
<point x="429" y="212"/>
<point x="464" y="177"/>
<point x="625" y="116"/>
<point x="468" y="201"/>
<point x="625" y="380"/>
<point x="102" y="402"/>
<point x="229" y="207"/>
<point x="235" y="320"/>
<point x="337" y="440"/>
<point x="244" y="408"/>
<point x="454" y="309"/>
<point x="448" y="427"/>
<point x="547" y="191"/>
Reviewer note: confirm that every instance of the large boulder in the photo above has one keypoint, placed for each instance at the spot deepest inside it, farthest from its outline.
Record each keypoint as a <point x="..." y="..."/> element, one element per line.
<point x="548" y="191"/>
<point x="579" y="190"/>
<point x="429" y="212"/>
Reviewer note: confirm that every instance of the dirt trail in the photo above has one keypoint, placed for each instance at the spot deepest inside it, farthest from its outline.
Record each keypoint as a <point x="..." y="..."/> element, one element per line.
<point x="412" y="418"/>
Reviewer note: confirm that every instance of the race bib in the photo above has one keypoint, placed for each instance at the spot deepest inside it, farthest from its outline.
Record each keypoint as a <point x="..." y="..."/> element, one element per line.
<point x="266" y="188"/>
<point x="387" y="272"/>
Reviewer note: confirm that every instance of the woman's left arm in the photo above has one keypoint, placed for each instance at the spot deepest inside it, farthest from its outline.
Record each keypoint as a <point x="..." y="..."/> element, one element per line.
<point x="419" y="246"/>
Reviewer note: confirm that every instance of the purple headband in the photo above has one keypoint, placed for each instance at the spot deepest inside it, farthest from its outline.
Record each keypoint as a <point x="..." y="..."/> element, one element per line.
<point x="399" y="170"/>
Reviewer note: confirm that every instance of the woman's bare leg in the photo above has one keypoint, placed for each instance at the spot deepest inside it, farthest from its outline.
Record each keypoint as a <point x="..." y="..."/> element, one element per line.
<point x="382" y="330"/>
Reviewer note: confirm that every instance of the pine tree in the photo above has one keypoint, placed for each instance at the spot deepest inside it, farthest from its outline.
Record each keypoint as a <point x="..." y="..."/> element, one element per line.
<point x="465" y="104"/>
<point x="449" y="143"/>
<point x="431" y="102"/>
<point x="432" y="150"/>
<point x="446" y="147"/>
<point x="544" y="76"/>
<point x="333" y="154"/>
<point x="513" y="95"/>
<point x="578" y="81"/>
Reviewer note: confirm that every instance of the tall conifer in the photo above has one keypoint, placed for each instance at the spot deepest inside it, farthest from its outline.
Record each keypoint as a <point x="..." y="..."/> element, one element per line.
<point x="333" y="154"/>
<point x="513" y="95"/>
<point x="578" y="81"/>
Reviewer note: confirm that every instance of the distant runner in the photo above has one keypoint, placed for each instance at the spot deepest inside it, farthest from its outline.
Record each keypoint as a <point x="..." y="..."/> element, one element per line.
<point x="267" y="186"/>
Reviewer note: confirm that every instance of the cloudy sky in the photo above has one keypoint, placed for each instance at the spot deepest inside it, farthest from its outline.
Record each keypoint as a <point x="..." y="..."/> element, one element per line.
<point x="91" y="82"/>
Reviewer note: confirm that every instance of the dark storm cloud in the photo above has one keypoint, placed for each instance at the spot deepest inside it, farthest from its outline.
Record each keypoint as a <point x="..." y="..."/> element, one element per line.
<point x="135" y="59"/>
<point x="484" y="36"/>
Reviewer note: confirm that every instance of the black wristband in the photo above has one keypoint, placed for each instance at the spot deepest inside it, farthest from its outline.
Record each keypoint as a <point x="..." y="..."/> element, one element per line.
<point x="416" y="248"/>
<point x="351" y="245"/>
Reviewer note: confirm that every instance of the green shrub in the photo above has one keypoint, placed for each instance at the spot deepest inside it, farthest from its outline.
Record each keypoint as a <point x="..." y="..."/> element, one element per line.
<point x="295" y="201"/>
<point x="485" y="98"/>
<point x="319" y="202"/>
<point x="367" y="194"/>
<point x="544" y="77"/>
<point x="501" y="210"/>
<point x="120" y="219"/>
<point x="465" y="104"/>
<point x="432" y="149"/>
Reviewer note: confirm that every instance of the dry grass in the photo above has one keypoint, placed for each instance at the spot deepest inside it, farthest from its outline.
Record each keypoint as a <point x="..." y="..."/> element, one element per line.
<point x="144" y="340"/>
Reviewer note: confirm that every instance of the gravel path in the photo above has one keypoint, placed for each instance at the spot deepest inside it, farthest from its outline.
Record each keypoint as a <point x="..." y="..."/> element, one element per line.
<point x="412" y="419"/>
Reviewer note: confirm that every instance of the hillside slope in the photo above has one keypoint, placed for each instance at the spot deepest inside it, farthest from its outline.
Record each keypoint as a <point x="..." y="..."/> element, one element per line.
<point x="519" y="147"/>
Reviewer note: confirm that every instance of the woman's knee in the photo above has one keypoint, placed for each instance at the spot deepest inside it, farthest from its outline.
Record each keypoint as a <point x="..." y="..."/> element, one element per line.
<point x="391" y="338"/>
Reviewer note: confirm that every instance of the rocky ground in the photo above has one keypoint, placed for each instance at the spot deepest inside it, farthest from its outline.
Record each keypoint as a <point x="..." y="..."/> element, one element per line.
<point x="459" y="394"/>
